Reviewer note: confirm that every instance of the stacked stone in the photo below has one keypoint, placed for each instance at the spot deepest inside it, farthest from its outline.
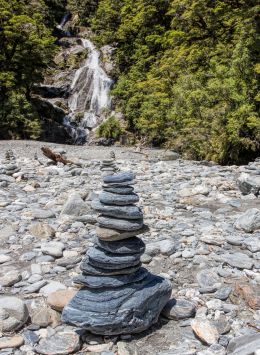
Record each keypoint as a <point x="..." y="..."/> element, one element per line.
<point x="118" y="296"/>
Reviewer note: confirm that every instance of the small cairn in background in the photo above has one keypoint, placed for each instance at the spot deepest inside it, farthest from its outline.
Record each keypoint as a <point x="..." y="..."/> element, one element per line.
<point x="9" y="155"/>
<point x="108" y="166"/>
<point x="8" y="165"/>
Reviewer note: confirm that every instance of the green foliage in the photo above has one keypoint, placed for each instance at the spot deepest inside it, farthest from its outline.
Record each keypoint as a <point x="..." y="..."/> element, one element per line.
<point x="188" y="73"/>
<point x="18" y="119"/>
<point x="26" y="48"/>
<point x="84" y="9"/>
<point x="111" y="128"/>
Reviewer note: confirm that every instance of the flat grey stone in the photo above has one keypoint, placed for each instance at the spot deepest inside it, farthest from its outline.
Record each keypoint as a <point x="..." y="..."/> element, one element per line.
<point x="30" y="337"/>
<point x="120" y="177"/>
<point x="115" y="235"/>
<point x="54" y="249"/>
<point x="105" y="260"/>
<point x="132" y="245"/>
<point x="235" y="239"/>
<point x="6" y="178"/>
<point x="124" y="190"/>
<point x="239" y="260"/>
<point x="4" y="258"/>
<point x="120" y="224"/>
<point x="145" y="258"/>
<point x="121" y="200"/>
<point x="6" y="232"/>
<point x="179" y="309"/>
<point x="120" y="184"/>
<point x="110" y="281"/>
<point x="88" y="269"/>
<point x="28" y="256"/>
<point x="128" y="212"/>
<point x="123" y="310"/>
<point x="35" y="287"/>
<point x="222" y="324"/>
<point x="244" y="345"/>
<point x="223" y="293"/>
<point x="253" y="244"/>
<point x="65" y="342"/>
<point x="43" y="214"/>
<point x="10" y="278"/>
<point x="108" y="161"/>
<point x="44" y="259"/>
<point x="52" y="286"/>
<point x="68" y="261"/>
<point x="207" y="280"/>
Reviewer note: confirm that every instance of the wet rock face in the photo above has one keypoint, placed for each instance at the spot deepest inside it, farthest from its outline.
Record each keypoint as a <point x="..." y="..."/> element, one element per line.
<point x="119" y="296"/>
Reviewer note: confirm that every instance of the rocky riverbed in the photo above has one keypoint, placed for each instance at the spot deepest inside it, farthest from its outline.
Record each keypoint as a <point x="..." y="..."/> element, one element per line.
<point x="204" y="237"/>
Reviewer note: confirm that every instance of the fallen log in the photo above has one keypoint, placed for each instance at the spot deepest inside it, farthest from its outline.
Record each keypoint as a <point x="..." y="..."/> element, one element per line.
<point x="56" y="157"/>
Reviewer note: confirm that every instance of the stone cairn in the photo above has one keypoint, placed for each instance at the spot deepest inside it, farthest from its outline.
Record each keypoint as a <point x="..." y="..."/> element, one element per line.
<point x="8" y="165"/>
<point x="108" y="166"/>
<point x="117" y="296"/>
<point x="9" y="155"/>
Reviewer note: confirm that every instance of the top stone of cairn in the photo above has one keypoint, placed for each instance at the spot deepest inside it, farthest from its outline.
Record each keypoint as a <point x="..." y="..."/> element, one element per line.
<point x="117" y="295"/>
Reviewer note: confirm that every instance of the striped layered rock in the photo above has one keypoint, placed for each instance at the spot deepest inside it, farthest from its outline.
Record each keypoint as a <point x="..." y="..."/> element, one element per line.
<point x="117" y="295"/>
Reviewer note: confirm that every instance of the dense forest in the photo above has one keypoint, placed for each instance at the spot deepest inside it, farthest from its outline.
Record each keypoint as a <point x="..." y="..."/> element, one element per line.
<point x="186" y="71"/>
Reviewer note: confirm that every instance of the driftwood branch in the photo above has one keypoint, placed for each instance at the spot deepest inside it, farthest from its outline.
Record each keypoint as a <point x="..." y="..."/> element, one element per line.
<point x="56" y="157"/>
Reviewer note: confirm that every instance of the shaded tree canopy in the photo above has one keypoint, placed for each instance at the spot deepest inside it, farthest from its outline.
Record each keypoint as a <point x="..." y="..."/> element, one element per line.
<point x="26" y="49"/>
<point x="188" y="73"/>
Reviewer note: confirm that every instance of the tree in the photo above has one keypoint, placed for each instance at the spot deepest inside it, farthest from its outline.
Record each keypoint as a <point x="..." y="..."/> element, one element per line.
<point x="187" y="73"/>
<point x="26" y="49"/>
<point x="84" y="9"/>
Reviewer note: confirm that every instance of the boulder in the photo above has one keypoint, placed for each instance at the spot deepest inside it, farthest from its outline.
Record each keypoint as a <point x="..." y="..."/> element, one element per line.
<point x="179" y="309"/>
<point x="13" y="313"/>
<point x="12" y="342"/>
<point x="205" y="330"/>
<point x="249" y="184"/>
<point x="42" y="230"/>
<point x="249" y="221"/>
<point x="244" y="345"/>
<point x="58" y="299"/>
<point x="75" y="206"/>
<point x="121" y="310"/>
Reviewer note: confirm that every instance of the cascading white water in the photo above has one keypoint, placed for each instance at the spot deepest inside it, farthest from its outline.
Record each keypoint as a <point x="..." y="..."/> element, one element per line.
<point x="63" y="21"/>
<point x="89" y="96"/>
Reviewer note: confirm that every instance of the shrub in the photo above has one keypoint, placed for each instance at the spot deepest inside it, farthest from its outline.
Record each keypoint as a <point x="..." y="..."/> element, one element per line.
<point x="111" y="128"/>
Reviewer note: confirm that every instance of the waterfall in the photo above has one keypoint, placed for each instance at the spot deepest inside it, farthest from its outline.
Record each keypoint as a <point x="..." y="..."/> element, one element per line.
<point x="89" y="96"/>
<point x="64" y="19"/>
